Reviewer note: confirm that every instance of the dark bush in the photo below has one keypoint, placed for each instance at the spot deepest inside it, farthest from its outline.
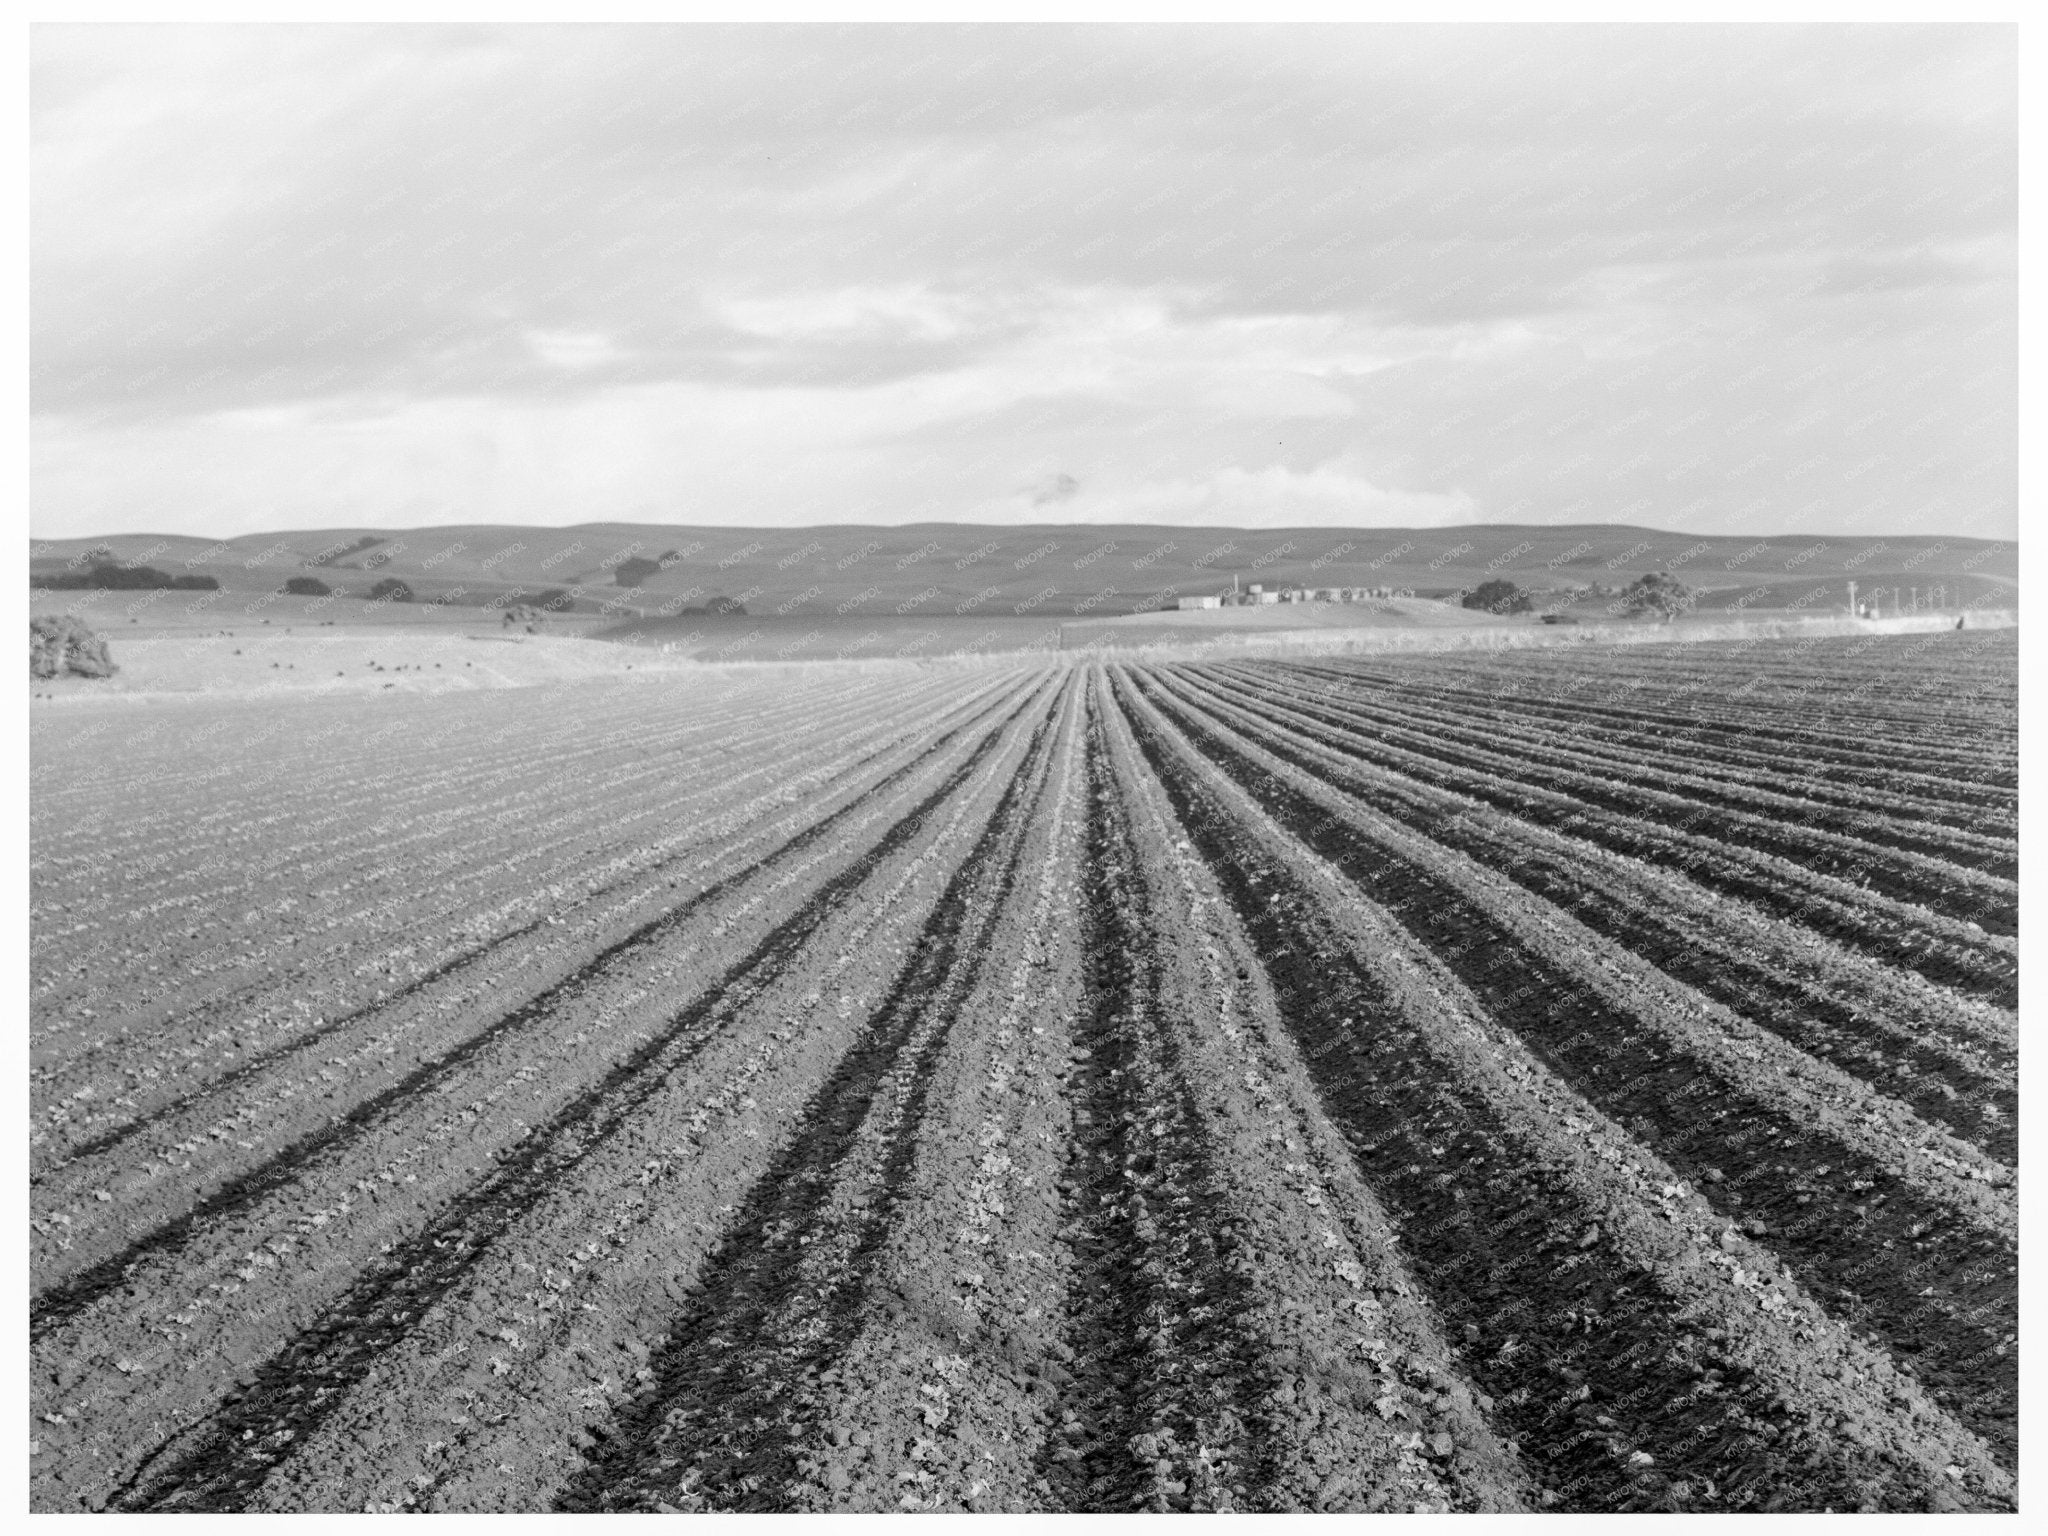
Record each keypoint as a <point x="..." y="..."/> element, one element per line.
<point x="307" y="586"/>
<point x="129" y="578"/>
<point x="1660" y="593"/>
<point x="525" y="616"/>
<point x="1498" y="596"/>
<point x="62" y="644"/>
<point x="391" y="590"/>
<point x="109" y="576"/>
<point x="724" y="605"/>
<point x="633" y="571"/>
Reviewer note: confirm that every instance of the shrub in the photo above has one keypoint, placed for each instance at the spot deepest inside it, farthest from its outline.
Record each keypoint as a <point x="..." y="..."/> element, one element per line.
<point x="61" y="644"/>
<point x="391" y="590"/>
<point x="110" y="576"/>
<point x="631" y="572"/>
<point x="1658" y="592"/>
<point x="525" y="616"/>
<point x="307" y="586"/>
<point x="730" y="605"/>
<point x="1497" y="596"/>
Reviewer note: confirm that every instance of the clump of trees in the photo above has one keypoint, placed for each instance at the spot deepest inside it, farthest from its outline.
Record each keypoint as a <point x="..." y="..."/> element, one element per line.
<point x="1657" y="592"/>
<point x="1498" y="596"/>
<point x="632" y="571"/>
<point x="61" y="644"/>
<point x="105" y="575"/>
<point x="391" y="590"/>
<point x="711" y="605"/>
<point x="306" y="586"/>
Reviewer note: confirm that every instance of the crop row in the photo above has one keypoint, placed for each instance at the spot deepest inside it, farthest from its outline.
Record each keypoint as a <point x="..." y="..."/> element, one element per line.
<point x="1079" y="1088"/>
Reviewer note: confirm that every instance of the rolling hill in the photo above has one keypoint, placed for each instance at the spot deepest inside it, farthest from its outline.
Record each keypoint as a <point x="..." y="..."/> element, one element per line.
<point x="1048" y="569"/>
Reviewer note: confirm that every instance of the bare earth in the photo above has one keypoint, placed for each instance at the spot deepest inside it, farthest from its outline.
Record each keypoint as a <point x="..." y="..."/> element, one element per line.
<point x="1577" y="1078"/>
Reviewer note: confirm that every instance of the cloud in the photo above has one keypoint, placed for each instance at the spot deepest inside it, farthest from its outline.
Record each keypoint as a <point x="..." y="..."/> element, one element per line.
<point x="1061" y="487"/>
<point x="929" y="265"/>
<point x="1330" y="495"/>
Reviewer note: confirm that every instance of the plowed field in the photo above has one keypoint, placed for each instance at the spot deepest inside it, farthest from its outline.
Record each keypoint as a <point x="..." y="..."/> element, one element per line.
<point x="1555" y="1080"/>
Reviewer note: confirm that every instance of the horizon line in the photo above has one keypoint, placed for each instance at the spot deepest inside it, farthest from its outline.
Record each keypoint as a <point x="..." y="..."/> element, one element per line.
<point x="795" y="528"/>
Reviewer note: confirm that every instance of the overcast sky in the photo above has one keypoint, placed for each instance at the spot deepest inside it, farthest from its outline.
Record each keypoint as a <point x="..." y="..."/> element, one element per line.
<point x="1729" y="280"/>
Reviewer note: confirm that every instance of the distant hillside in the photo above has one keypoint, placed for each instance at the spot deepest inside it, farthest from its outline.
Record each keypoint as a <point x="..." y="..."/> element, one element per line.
<point x="1049" y="569"/>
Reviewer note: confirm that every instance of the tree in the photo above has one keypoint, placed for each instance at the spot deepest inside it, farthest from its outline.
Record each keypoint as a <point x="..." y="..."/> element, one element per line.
<point x="306" y="586"/>
<point x="60" y="643"/>
<point x="391" y="590"/>
<point x="110" y="576"/>
<point x="525" y="616"/>
<point x="634" y="570"/>
<point x="730" y="605"/>
<point x="1657" y="592"/>
<point x="1498" y="596"/>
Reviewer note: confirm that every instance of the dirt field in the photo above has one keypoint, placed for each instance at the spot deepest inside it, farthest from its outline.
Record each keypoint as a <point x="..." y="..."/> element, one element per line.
<point x="1576" y="1080"/>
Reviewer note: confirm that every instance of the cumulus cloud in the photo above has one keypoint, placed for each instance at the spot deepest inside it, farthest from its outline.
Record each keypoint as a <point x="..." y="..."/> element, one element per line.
<point x="1329" y="495"/>
<point x="902" y="271"/>
<point x="1061" y="487"/>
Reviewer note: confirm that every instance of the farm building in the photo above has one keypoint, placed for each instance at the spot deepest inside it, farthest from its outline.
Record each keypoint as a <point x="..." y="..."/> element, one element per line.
<point x="1198" y="602"/>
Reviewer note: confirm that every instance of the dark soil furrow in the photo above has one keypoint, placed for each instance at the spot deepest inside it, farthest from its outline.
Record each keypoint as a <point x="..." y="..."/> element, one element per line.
<point x="54" y="1307"/>
<point x="1657" y="736"/>
<point x="724" y="1421"/>
<point x="1684" y="699"/>
<point x="1870" y="1247"/>
<point x="1746" y="874"/>
<point x="1943" y="886"/>
<point x="483" y="856"/>
<point x="228" y="1455"/>
<point x="647" y="933"/>
<point x="1939" y="1083"/>
<point x="1161" y="1363"/>
<point x="1866" y="826"/>
<point x="1616" y="1399"/>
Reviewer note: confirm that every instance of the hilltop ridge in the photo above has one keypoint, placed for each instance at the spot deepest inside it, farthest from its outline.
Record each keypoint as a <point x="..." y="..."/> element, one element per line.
<point x="1073" y="569"/>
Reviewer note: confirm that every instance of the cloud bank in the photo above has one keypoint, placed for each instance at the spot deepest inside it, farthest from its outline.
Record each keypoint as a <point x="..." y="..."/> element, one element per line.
<point x="1729" y="279"/>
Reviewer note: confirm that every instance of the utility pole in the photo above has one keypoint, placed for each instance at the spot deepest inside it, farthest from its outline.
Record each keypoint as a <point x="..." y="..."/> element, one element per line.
<point x="1852" y="599"/>
<point x="1916" y="599"/>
